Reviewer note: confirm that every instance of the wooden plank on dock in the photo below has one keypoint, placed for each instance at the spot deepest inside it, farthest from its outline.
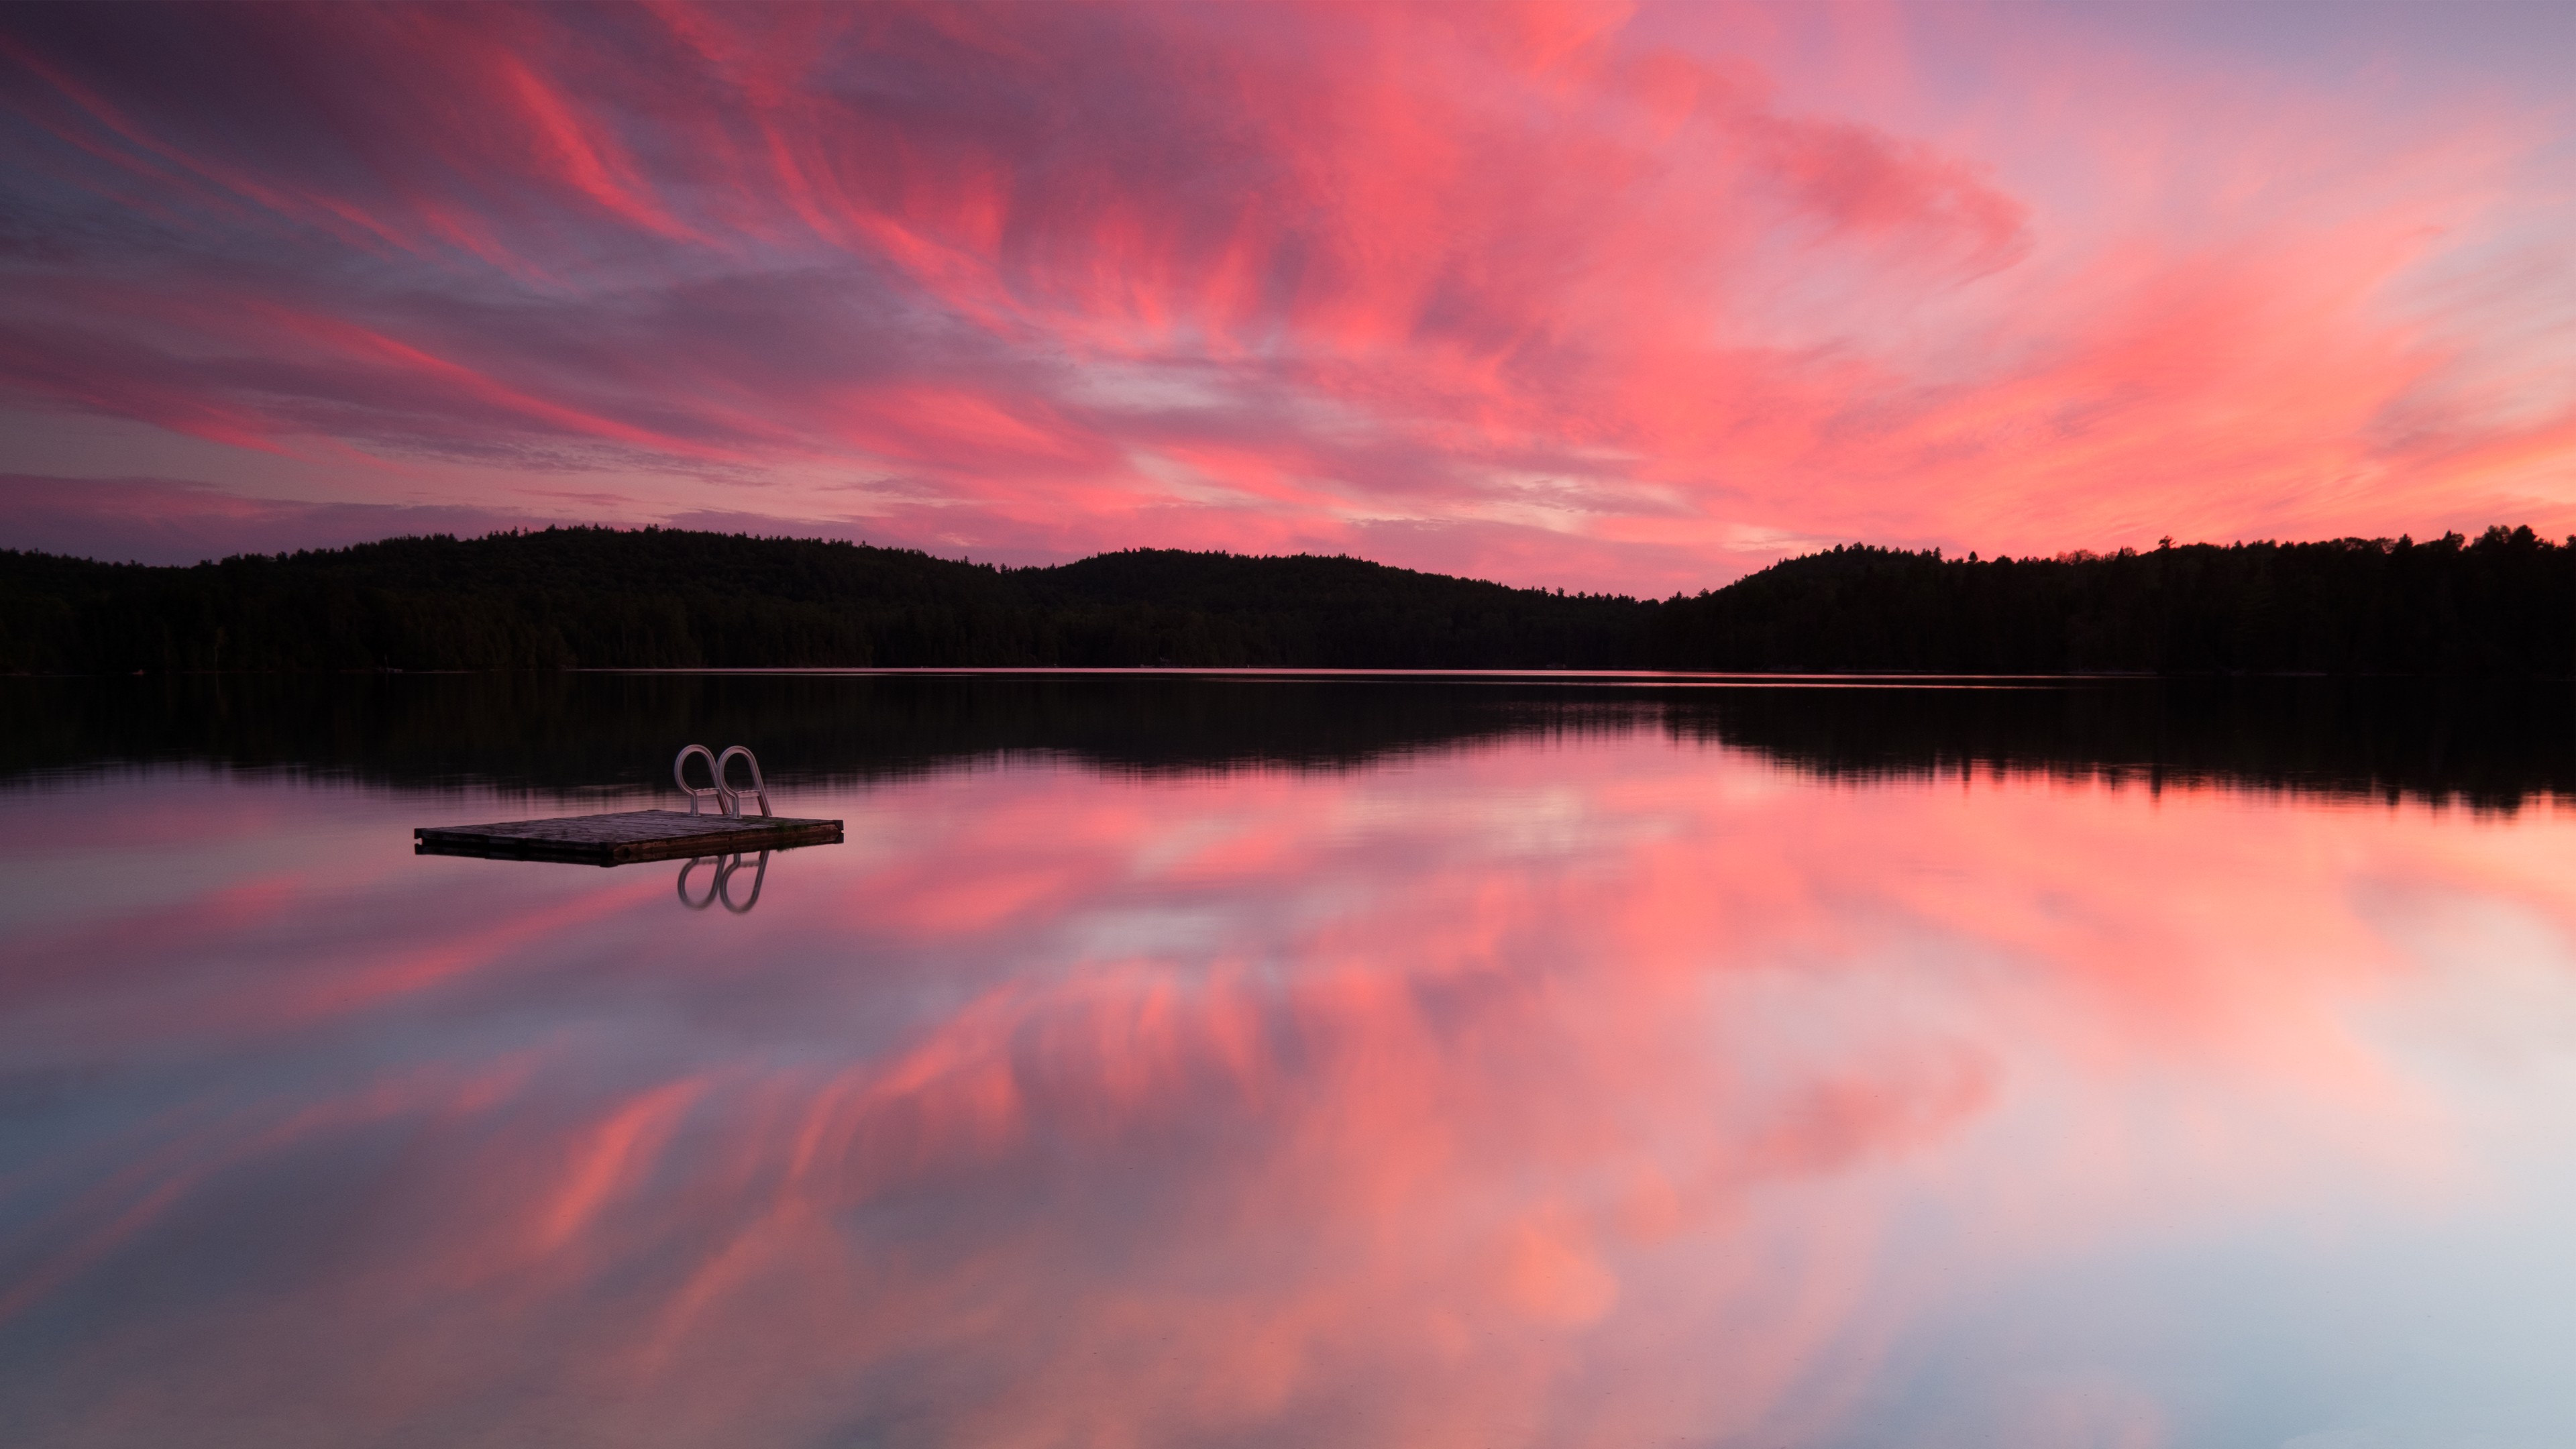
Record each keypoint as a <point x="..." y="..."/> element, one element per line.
<point x="623" y="837"/>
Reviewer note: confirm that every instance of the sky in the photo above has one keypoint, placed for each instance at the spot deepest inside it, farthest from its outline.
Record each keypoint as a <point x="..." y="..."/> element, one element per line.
<point x="1635" y="298"/>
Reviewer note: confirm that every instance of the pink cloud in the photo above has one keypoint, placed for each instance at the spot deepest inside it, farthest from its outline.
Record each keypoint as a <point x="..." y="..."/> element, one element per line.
<point x="1584" y="297"/>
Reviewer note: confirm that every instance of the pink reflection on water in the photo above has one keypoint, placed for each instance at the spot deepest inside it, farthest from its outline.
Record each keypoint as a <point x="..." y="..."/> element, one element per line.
<point x="1601" y="1090"/>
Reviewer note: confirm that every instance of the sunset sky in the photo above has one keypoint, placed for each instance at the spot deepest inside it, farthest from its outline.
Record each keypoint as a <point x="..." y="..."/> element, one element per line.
<point x="1615" y="297"/>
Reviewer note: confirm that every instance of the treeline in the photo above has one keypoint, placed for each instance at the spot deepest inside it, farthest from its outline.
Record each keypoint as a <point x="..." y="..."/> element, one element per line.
<point x="664" y="598"/>
<point x="2504" y="605"/>
<point x="2501" y="606"/>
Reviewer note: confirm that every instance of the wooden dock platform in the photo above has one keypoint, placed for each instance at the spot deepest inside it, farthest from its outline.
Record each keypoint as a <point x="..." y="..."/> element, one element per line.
<point x="623" y="837"/>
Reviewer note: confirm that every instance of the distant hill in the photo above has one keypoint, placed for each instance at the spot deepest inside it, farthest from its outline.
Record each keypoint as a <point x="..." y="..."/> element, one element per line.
<point x="2503" y="605"/>
<point x="663" y="598"/>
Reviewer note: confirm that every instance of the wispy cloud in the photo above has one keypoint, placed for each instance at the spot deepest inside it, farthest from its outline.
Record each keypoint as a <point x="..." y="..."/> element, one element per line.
<point x="1566" y="294"/>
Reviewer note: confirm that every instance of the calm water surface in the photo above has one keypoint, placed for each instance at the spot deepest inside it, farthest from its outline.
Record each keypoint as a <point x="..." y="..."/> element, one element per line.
<point x="1205" y="1062"/>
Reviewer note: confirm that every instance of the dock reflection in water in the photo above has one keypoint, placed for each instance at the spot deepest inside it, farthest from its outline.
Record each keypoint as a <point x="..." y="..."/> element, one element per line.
<point x="1351" y="1065"/>
<point x="719" y="883"/>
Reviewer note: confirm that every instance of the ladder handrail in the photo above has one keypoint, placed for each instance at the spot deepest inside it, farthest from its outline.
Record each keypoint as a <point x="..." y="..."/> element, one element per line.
<point x="680" y="776"/>
<point x="759" y="788"/>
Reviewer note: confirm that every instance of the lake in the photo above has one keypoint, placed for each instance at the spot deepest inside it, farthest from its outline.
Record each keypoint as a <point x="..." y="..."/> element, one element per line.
<point x="1293" y="1060"/>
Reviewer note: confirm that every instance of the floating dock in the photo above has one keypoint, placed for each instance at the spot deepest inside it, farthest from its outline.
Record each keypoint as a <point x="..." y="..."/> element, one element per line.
<point x="623" y="837"/>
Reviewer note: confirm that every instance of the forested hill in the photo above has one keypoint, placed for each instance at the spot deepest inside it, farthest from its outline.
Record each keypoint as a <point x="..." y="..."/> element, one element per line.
<point x="656" y="598"/>
<point x="2504" y="604"/>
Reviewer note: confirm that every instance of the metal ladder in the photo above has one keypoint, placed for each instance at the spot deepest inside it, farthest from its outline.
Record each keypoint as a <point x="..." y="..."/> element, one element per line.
<point x="727" y="799"/>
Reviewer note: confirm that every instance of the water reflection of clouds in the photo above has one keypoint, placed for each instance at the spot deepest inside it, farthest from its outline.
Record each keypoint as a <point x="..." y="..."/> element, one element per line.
<point x="1355" y="1108"/>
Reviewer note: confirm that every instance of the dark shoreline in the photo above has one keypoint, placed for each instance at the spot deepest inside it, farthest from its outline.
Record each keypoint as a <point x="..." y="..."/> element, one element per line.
<point x="2503" y="605"/>
<point x="2487" y="744"/>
